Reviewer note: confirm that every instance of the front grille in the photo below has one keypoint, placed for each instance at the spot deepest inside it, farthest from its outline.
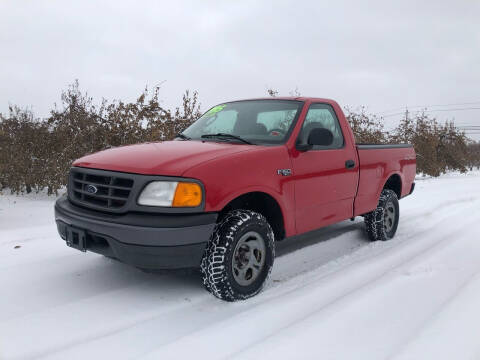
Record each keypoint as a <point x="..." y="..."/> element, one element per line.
<point x="98" y="190"/>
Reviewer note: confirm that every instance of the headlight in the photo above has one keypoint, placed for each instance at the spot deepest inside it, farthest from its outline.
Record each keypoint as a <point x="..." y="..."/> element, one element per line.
<point x="171" y="194"/>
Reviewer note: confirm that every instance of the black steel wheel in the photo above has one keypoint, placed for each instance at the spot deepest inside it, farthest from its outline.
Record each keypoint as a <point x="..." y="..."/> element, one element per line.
<point x="239" y="256"/>
<point x="382" y="223"/>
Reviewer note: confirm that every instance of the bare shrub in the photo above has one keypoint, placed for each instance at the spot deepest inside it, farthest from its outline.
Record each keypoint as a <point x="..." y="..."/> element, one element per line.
<point x="272" y="92"/>
<point x="367" y="128"/>
<point x="167" y="126"/>
<point x="24" y="143"/>
<point x="37" y="153"/>
<point x="474" y="155"/>
<point x="439" y="148"/>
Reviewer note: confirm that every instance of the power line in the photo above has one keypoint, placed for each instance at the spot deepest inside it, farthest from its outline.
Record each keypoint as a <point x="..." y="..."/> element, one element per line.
<point x="428" y="106"/>
<point x="455" y="109"/>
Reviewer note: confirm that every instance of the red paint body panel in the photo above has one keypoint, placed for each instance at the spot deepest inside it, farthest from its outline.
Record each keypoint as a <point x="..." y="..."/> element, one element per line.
<point x="376" y="166"/>
<point x="228" y="177"/>
<point x="170" y="158"/>
<point x="324" y="189"/>
<point x="320" y="191"/>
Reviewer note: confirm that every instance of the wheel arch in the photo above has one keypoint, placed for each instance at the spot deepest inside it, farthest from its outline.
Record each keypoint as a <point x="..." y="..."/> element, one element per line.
<point x="394" y="183"/>
<point x="263" y="203"/>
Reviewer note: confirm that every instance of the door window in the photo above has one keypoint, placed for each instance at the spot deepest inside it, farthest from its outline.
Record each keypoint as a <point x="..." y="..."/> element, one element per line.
<point x="322" y="116"/>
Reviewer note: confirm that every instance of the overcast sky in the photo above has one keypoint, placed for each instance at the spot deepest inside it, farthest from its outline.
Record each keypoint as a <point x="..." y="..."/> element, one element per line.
<point x="384" y="55"/>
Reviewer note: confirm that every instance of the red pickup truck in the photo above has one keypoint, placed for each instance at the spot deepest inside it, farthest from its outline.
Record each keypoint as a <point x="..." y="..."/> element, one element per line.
<point x="245" y="175"/>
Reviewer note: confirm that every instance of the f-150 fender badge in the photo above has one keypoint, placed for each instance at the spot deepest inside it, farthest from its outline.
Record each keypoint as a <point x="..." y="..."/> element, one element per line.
<point x="284" y="172"/>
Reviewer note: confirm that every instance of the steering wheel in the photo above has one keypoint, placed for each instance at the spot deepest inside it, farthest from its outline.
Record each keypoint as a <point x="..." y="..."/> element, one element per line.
<point x="276" y="132"/>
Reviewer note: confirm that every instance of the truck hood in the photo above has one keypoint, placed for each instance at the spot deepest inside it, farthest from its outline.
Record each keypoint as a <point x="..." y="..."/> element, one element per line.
<point x="171" y="158"/>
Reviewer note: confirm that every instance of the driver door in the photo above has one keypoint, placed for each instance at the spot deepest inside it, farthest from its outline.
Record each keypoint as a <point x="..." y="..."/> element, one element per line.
<point x="324" y="186"/>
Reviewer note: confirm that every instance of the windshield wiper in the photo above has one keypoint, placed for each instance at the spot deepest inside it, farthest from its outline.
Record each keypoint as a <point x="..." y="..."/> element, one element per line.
<point x="228" y="136"/>
<point x="182" y="136"/>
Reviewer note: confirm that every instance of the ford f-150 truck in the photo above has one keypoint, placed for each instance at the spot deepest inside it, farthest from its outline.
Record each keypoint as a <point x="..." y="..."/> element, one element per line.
<point x="243" y="176"/>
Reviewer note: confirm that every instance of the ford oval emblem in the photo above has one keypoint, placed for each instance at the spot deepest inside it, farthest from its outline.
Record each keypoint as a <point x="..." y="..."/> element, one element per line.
<point x="91" y="189"/>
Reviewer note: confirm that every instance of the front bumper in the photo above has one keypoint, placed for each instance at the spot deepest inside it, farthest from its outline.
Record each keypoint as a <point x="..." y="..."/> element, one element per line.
<point x="145" y="240"/>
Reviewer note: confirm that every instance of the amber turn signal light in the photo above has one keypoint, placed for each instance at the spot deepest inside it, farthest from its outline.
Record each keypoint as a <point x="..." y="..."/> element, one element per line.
<point x="187" y="195"/>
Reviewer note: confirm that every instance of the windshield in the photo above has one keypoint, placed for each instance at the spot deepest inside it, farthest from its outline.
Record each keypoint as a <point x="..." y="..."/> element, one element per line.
<point x="256" y="121"/>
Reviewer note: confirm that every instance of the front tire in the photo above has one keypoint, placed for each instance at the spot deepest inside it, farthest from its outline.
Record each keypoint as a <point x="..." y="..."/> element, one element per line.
<point x="381" y="223"/>
<point x="239" y="256"/>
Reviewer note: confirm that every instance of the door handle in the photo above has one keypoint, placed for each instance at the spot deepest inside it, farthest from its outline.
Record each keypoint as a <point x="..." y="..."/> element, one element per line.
<point x="349" y="164"/>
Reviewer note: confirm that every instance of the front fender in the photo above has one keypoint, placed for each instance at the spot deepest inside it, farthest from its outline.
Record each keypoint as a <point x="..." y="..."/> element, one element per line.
<point x="229" y="177"/>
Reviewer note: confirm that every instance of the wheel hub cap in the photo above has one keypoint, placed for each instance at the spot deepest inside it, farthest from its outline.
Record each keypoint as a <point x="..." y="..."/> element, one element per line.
<point x="389" y="217"/>
<point x="248" y="258"/>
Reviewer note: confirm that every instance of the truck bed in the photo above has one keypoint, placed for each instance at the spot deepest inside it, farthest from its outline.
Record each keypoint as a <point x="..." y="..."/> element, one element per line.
<point x="378" y="165"/>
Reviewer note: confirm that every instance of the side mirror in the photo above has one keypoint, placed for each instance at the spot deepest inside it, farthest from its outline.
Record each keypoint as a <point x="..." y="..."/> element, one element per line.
<point x="317" y="137"/>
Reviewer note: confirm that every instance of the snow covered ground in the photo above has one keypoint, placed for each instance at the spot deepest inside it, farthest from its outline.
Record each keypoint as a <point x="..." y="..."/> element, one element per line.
<point x="332" y="295"/>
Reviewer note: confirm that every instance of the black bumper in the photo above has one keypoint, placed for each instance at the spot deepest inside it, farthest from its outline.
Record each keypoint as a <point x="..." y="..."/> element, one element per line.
<point x="145" y="240"/>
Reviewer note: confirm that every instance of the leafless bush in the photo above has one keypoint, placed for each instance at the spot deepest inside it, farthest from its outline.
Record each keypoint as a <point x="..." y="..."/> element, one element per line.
<point x="439" y="147"/>
<point x="474" y="155"/>
<point x="367" y="128"/>
<point x="37" y="153"/>
<point x="24" y="142"/>
<point x="272" y="92"/>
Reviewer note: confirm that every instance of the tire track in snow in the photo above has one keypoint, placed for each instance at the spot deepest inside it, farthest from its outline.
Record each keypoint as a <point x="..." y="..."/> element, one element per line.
<point x="403" y="349"/>
<point x="457" y="324"/>
<point x="384" y="247"/>
<point x="192" y="331"/>
<point x="389" y="285"/>
<point x="59" y="319"/>
<point x="306" y="299"/>
<point x="208" y="313"/>
<point x="412" y="220"/>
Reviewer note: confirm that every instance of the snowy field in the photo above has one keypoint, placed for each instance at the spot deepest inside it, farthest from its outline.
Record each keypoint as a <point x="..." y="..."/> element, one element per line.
<point x="332" y="295"/>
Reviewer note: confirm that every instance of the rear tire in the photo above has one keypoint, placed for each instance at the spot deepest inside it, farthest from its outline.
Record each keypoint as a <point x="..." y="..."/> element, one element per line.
<point x="381" y="223"/>
<point x="239" y="256"/>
